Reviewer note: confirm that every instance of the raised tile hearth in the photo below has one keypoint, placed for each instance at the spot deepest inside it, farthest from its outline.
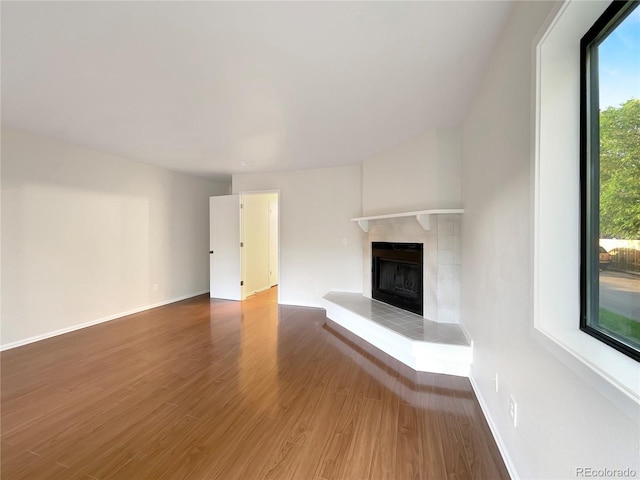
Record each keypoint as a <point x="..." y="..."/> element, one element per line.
<point x="423" y="345"/>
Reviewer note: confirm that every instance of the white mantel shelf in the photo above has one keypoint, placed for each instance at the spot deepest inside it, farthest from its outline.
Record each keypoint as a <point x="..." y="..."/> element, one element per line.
<point x="422" y="217"/>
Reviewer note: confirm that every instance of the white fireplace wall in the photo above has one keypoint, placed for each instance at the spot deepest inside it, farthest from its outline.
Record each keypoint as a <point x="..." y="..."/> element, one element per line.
<point x="422" y="173"/>
<point x="441" y="260"/>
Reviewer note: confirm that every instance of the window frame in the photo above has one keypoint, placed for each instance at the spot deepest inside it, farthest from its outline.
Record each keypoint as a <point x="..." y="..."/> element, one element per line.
<point x="590" y="173"/>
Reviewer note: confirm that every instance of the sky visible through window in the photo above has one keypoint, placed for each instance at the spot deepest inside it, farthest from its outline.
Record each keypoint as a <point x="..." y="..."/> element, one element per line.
<point x="619" y="63"/>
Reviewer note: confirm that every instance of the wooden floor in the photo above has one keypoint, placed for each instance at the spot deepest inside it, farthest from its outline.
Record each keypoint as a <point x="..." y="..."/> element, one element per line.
<point x="206" y="389"/>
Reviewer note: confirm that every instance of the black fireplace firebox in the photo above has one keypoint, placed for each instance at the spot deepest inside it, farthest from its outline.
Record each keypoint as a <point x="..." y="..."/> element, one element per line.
<point x="396" y="274"/>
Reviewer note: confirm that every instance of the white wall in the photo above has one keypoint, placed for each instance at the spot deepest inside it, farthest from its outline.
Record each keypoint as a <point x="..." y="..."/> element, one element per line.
<point x="86" y="235"/>
<point x="315" y="208"/>
<point x="274" y="235"/>
<point x="422" y="173"/>
<point x="563" y="422"/>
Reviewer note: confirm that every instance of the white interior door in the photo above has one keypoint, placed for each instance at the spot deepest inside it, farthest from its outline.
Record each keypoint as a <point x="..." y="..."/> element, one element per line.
<point x="225" y="263"/>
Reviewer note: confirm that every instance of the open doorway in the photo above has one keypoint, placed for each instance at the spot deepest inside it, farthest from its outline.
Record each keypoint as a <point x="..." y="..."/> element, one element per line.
<point x="260" y="240"/>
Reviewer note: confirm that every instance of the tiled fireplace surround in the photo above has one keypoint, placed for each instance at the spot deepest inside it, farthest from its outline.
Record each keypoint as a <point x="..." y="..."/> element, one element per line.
<point x="437" y="343"/>
<point x="441" y="260"/>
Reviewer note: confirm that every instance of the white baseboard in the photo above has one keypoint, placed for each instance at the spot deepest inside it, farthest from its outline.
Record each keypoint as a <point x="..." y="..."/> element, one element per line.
<point x="255" y="292"/>
<point x="62" y="331"/>
<point x="502" y="447"/>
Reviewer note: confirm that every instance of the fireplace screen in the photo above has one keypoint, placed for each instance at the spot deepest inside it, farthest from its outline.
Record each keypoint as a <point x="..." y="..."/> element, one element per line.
<point x="397" y="275"/>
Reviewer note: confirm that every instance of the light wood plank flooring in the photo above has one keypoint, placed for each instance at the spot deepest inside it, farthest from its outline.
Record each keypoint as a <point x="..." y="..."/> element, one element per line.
<point x="208" y="389"/>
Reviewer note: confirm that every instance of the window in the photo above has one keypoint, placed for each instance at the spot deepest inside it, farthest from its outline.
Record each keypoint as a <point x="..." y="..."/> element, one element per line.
<point x="610" y="178"/>
<point x="556" y="211"/>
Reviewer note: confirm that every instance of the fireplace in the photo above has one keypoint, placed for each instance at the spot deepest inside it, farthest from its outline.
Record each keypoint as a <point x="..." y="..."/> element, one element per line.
<point x="396" y="274"/>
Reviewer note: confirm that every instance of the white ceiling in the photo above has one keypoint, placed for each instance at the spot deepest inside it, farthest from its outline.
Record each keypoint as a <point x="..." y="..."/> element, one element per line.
<point x="216" y="88"/>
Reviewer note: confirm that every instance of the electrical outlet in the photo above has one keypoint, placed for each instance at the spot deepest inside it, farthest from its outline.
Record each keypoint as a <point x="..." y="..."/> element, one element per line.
<point x="496" y="381"/>
<point x="155" y="287"/>
<point x="513" y="410"/>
